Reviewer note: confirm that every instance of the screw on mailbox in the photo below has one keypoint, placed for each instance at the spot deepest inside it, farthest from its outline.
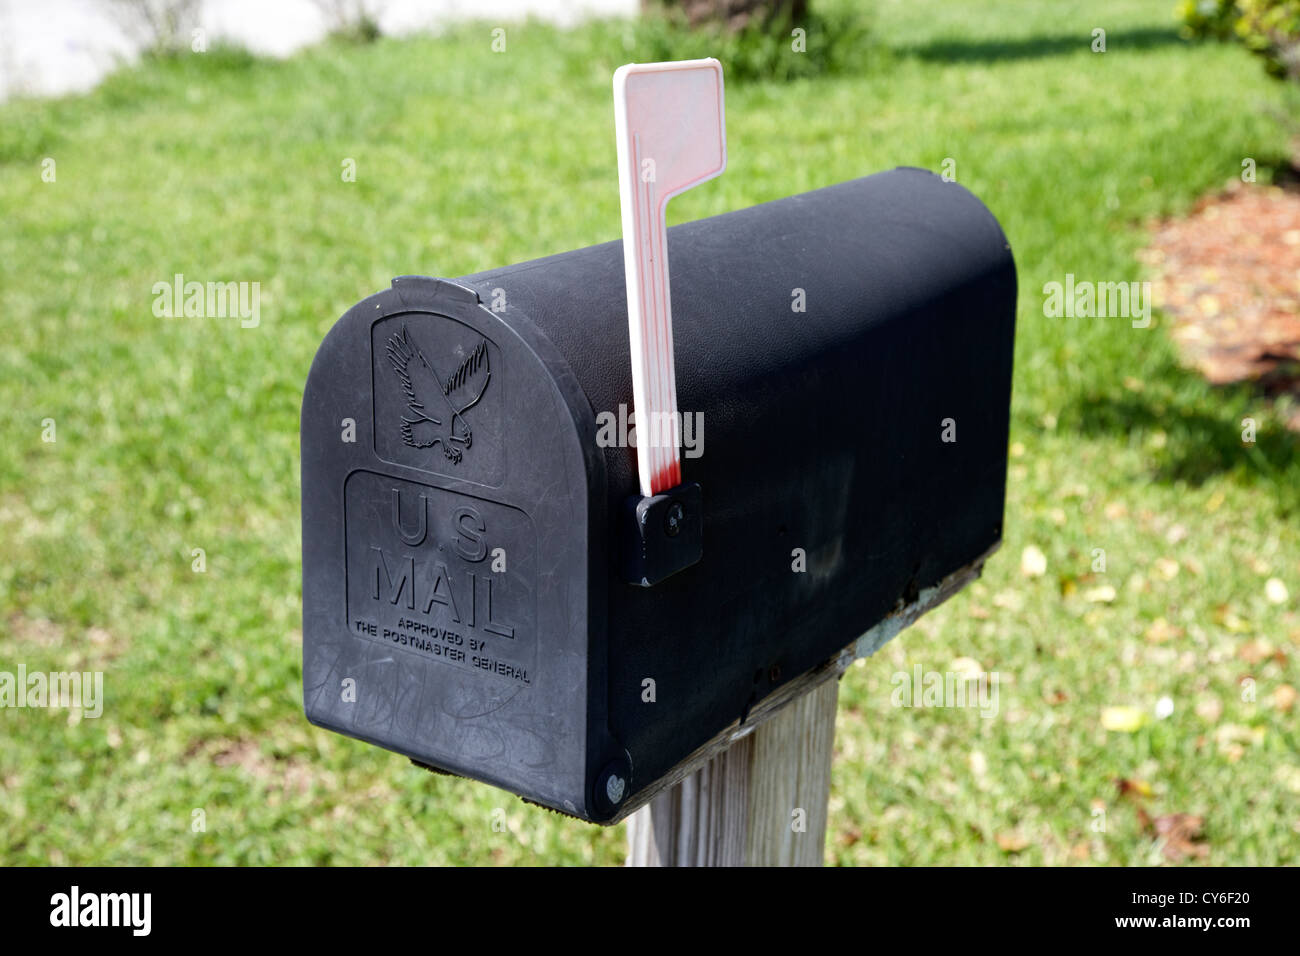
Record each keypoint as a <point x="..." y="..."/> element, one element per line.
<point x="674" y="518"/>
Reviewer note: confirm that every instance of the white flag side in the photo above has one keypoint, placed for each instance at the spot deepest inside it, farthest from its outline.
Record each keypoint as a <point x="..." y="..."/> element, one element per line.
<point x="671" y="135"/>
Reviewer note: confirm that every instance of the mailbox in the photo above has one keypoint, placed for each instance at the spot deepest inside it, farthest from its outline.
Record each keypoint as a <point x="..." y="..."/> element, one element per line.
<point x="486" y="591"/>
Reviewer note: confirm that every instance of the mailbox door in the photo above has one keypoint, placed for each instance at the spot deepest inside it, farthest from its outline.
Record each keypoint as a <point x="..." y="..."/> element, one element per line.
<point x="449" y="474"/>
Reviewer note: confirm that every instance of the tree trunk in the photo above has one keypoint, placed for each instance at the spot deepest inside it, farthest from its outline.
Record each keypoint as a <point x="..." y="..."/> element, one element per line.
<point x="731" y="14"/>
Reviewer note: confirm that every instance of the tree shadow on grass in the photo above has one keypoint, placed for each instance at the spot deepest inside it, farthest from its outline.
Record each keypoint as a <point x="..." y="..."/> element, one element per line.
<point x="1203" y="430"/>
<point x="1028" y="48"/>
<point x="1280" y="171"/>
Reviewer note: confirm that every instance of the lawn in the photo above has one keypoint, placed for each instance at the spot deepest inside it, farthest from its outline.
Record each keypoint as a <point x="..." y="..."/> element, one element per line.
<point x="177" y="434"/>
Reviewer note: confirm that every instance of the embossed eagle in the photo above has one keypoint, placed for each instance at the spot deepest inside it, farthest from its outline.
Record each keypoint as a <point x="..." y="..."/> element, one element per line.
<point x="436" y="407"/>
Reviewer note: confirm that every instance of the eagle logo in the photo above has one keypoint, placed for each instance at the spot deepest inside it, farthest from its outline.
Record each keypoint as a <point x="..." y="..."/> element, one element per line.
<point x="437" y="407"/>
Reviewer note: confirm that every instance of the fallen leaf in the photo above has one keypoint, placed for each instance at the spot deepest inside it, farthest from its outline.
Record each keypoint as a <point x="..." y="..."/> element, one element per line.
<point x="1033" y="563"/>
<point x="1167" y="568"/>
<point x="1101" y="595"/>
<point x="1133" y="788"/>
<point x="1009" y="600"/>
<point x="1210" y="709"/>
<point x="1284" y="697"/>
<point x="1289" y="776"/>
<point x="1161" y="631"/>
<point x="1275" y="591"/>
<point x="1232" y="739"/>
<point x="1011" y="842"/>
<point x="1123" y="719"/>
<point x="1226" y="616"/>
<point x="1182" y="836"/>
<point x="1252" y="652"/>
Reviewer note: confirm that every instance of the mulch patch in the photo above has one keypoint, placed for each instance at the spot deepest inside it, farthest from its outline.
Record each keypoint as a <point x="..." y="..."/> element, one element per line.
<point x="1228" y="276"/>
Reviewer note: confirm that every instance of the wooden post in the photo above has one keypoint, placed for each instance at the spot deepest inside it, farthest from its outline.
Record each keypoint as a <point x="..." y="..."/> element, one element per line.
<point x="762" y="802"/>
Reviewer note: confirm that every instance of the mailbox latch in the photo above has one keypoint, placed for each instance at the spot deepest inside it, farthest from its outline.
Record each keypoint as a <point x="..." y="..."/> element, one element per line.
<point x="664" y="533"/>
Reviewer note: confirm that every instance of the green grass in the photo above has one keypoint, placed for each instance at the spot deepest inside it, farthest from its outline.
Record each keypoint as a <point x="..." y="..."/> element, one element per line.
<point x="176" y="434"/>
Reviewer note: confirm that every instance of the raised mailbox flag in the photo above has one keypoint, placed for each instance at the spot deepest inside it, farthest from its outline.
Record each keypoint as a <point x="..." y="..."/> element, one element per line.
<point x="671" y="134"/>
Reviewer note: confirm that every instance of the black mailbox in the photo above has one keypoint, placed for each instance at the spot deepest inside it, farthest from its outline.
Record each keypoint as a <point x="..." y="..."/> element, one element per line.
<point x="470" y="592"/>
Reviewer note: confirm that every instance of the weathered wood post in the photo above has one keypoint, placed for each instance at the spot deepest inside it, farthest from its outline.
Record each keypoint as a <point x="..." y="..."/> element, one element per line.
<point x="522" y="564"/>
<point x="760" y="802"/>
